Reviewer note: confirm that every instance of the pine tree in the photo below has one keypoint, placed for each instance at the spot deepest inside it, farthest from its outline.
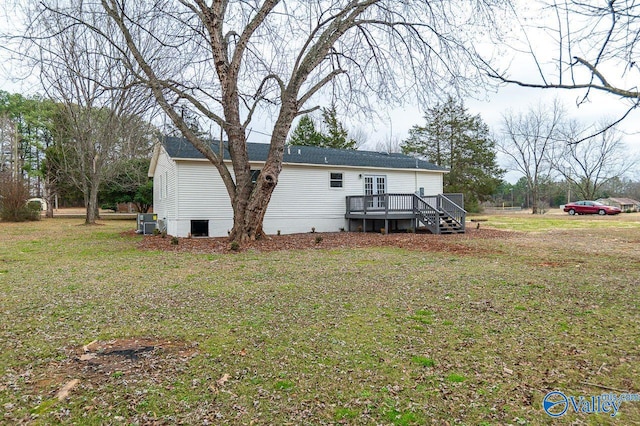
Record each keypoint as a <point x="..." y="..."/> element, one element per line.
<point x="336" y="135"/>
<point x="305" y="133"/>
<point x="459" y="141"/>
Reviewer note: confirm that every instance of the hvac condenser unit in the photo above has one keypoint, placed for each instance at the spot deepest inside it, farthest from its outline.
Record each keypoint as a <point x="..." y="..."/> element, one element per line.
<point x="147" y="222"/>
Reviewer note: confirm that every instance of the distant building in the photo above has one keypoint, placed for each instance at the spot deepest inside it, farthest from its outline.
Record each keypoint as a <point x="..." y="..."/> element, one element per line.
<point x="624" y="204"/>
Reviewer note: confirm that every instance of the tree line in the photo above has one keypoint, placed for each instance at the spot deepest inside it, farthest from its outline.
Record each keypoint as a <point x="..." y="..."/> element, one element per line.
<point x="555" y="193"/>
<point x="60" y="152"/>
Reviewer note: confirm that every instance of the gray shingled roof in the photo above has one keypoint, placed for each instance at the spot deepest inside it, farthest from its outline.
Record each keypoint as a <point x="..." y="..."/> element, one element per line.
<point x="293" y="154"/>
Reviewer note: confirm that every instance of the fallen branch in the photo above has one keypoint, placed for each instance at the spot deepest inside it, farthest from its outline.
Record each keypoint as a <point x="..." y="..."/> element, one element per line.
<point x="603" y="387"/>
<point x="66" y="389"/>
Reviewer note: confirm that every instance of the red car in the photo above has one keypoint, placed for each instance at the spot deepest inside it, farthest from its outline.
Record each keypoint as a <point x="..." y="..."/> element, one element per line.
<point x="590" y="207"/>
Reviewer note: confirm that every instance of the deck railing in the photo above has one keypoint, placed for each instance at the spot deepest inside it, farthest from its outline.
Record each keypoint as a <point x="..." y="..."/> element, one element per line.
<point x="427" y="214"/>
<point x="387" y="203"/>
<point x="452" y="205"/>
<point x="428" y="209"/>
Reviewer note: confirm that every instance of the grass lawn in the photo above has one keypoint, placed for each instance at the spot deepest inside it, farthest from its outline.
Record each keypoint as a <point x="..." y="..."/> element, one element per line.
<point x="340" y="336"/>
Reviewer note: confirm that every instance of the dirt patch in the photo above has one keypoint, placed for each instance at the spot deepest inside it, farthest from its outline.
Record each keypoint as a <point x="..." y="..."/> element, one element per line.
<point x="456" y="243"/>
<point x="125" y="355"/>
<point x="98" y="363"/>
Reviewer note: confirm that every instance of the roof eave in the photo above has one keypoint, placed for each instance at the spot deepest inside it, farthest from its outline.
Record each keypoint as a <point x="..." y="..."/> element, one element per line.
<point x="285" y="163"/>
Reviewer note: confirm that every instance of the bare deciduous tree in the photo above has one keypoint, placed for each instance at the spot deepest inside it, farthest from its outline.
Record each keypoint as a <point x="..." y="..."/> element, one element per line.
<point x="359" y="135"/>
<point x="526" y="142"/>
<point x="592" y="163"/>
<point x="594" y="48"/>
<point x="227" y="62"/>
<point x="99" y="101"/>
<point x="392" y="144"/>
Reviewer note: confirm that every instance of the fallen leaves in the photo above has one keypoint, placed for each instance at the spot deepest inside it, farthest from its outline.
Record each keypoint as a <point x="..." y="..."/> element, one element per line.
<point x="316" y="336"/>
<point x="332" y="240"/>
<point x="222" y="380"/>
<point x="217" y="386"/>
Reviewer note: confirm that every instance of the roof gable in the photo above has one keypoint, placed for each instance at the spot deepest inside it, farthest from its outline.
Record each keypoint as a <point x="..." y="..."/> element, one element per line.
<point x="180" y="148"/>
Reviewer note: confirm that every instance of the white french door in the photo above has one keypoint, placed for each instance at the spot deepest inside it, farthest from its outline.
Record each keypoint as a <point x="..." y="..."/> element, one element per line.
<point x="375" y="185"/>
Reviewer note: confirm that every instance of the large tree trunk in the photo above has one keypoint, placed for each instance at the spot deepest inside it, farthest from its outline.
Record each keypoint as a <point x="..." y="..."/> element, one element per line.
<point x="251" y="201"/>
<point x="534" y="199"/>
<point x="91" y="204"/>
<point x="49" y="212"/>
<point x="249" y="212"/>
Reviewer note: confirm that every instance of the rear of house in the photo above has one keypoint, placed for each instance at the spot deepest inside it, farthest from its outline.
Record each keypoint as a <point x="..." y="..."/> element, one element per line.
<point x="191" y="199"/>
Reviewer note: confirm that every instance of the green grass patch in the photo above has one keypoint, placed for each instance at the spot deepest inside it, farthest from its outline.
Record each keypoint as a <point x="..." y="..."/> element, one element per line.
<point x="423" y="361"/>
<point x="456" y="378"/>
<point x="284" y="385"/>
<point x="345" y="414"/>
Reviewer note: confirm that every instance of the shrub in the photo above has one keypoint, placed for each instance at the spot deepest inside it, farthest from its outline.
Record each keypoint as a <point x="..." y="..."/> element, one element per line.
<point x="234" y="246"/>
<point x="318" y="239"/>
<point x="34" y="205"/>
<point x="174" y="241"/>
<point x="13" y="200"/>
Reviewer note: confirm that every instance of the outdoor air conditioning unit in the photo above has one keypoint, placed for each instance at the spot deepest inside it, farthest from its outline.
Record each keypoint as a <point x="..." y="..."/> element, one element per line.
<point x="146" y="223"/>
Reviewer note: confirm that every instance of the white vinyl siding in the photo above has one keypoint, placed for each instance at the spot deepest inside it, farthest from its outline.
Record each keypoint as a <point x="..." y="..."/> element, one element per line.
<point x="164" y="188"/>
<point x="299" y="203"/>
<point x="202" y="192"/>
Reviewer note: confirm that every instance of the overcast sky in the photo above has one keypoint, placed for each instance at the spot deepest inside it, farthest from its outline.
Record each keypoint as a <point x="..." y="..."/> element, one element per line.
<point x="395" y="123"/>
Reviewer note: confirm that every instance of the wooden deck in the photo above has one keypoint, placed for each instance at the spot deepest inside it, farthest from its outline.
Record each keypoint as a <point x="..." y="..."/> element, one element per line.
<point x="440" y="214"/>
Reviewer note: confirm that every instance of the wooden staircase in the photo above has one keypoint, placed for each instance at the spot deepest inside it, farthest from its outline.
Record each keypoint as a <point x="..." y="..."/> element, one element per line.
<point x="437" y="219"/>
<point x="448" y="225"/>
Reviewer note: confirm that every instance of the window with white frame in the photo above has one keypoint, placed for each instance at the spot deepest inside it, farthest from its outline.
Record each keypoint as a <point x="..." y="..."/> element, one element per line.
<point x="335" y="180"/>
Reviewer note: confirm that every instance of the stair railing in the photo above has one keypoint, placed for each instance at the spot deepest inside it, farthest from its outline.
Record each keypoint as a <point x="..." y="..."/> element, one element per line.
<point x="452" y="209"/>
